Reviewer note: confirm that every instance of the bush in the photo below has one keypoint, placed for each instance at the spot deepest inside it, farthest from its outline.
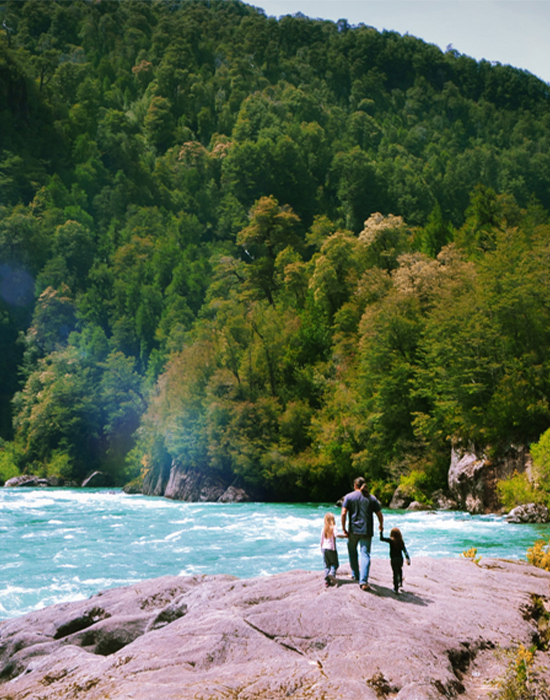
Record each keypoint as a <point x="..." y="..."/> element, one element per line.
<point x="59" y="466"/>
<point x="540" y="452"/>
<point x="539" y="554"/>
<point x="471" y="554"/>
<point x="383" y="490"/>
<point x="414" y="485"/>
<point x="517" y="490"/>
<point x="521" y="681"/>
<point x="10" y="460"/>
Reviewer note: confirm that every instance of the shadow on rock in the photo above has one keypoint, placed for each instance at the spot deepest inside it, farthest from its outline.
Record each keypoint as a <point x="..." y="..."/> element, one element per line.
<point x="404" y="596"/>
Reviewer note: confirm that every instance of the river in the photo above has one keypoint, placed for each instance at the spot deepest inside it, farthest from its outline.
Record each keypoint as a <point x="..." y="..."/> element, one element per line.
<point x="61" y="545"/>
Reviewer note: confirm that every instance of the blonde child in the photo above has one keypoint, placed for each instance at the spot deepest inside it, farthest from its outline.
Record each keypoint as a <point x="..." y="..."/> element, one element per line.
<point x="397" y="549"/>
<point x="328" y="547"/>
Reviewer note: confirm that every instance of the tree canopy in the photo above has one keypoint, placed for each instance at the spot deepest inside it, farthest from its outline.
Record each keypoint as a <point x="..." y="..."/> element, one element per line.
<point x="285" y="251"/>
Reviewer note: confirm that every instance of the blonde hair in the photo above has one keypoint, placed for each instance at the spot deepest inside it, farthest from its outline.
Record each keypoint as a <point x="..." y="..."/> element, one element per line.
<point x="329" y="525"/>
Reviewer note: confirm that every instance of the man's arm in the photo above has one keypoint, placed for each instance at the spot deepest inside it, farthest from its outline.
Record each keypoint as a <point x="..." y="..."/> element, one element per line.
<point x="344" y="514"/>
<point x="380" y="519"/>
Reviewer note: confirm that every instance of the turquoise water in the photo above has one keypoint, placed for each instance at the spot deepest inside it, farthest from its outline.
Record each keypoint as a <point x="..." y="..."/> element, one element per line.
<point x="66" y="544"/>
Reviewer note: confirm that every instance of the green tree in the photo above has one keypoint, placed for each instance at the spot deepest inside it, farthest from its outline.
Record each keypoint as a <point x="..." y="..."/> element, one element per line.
<point x="271" y="230"/>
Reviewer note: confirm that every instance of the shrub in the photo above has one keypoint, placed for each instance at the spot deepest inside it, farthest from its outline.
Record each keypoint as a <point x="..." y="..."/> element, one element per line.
<point x="521" y="681"/>
<point x="383" y="490"/>
<point x="539" y="554"/>
<point x="471" y="554"/>
<point x="59" y="465"/>
<point x="414" y="485"/>
<point x="517" y="490"/>
<point x="10" y="459"/>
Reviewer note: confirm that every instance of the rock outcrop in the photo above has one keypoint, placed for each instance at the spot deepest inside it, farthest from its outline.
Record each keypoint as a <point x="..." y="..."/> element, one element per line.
<point x="441" y="501"/>
<point x="26" y="480"/>
<point x="418" y="506"/>
<point x="528" y="513"/>
<point x="191" y="485"/>
<point x="467" y="480"/>
<point x="400" y="500"/>
<point x="156" y="478"/>
<point x="179" y="638"/>
<point x="473" y="478"/>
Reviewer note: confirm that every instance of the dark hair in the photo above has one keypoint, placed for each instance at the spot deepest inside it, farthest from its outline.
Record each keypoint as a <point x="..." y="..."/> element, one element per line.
<point x="396" y="536"/>
<point x="359" y="482"/>
<point x="365" y="490"/>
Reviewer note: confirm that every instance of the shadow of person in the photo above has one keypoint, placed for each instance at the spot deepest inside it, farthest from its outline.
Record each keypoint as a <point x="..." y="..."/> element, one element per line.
<point x="345" y="582"/>
<point x="403" y="596"/>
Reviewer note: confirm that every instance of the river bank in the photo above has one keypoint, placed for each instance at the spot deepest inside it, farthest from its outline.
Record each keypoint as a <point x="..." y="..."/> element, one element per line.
<point x="285" y="635"/>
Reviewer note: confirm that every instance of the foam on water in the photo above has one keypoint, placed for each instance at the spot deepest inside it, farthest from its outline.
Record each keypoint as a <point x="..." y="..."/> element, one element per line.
<point x="63" y="544"/>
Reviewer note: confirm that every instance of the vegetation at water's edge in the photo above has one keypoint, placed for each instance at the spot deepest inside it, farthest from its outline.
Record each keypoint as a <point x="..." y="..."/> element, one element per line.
<point x="283" y="251"/>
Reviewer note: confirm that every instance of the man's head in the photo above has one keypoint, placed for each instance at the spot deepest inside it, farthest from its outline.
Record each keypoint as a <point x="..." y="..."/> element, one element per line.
<point x="358" y="483"/>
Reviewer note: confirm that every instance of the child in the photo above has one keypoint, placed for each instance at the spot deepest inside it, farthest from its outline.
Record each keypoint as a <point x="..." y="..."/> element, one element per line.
<point x="328" y="547"/>
<point x="397" y="549"/>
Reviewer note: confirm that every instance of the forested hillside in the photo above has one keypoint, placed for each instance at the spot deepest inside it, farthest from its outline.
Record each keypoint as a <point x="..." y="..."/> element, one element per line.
<point x="282" y="251"/>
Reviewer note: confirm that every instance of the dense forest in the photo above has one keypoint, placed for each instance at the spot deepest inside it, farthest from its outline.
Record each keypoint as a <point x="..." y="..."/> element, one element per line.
<point x="284" y="251"/>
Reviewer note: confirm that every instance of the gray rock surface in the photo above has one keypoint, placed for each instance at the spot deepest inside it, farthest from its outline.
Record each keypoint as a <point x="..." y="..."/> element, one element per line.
<point x="400" y="500"/>
<point x="528" y="513"/>
<point x="191" y="485"/>
<point x="156" y="478"/>
<point x="467" y="475"/>
<point x="417" y="506"/>
<point x="269" y="638"/>
<point x="233" y="495"/>
<point x="443" y="502"/>
<point x="26" y="480"/>
<point x="473" y="478"/>
<point x="181" y="484"/>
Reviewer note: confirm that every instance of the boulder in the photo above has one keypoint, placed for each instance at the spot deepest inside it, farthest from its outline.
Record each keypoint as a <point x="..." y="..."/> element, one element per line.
<point x="233" y="495"/>
<point x="97" y="480"/>
<point x="417" y="506"/>
<point x="26" y="480"/>
<point x="193" y="485"/>
<point x="473" y="478"/>
<point x="528" y="513"/>
<point x="176" y="482"/>
<point x="400" y="500"/>
<point x="441" y="501"/>
<point x="447" y="635"/>
<point x="466" y="480"/>
<point x="133" y="487"/>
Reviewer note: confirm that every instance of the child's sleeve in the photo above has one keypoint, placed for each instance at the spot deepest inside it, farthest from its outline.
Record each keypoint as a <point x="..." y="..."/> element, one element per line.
<point x="385" y="539"/>
<point x="407" y="557"/>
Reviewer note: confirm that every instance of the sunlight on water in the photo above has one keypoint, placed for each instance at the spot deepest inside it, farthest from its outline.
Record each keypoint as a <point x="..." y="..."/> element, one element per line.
<point x="64" y="545"/>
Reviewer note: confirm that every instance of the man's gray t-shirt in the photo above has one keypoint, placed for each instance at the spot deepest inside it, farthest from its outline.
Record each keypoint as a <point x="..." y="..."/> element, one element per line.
<point x="360" y="509"/>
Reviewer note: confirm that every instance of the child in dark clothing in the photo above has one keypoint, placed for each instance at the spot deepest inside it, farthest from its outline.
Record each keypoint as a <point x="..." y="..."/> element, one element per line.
<point x="397" y="549"/>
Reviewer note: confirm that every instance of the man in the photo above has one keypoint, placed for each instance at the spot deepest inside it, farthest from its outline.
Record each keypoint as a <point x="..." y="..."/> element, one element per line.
<point x="358" y="507"/>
